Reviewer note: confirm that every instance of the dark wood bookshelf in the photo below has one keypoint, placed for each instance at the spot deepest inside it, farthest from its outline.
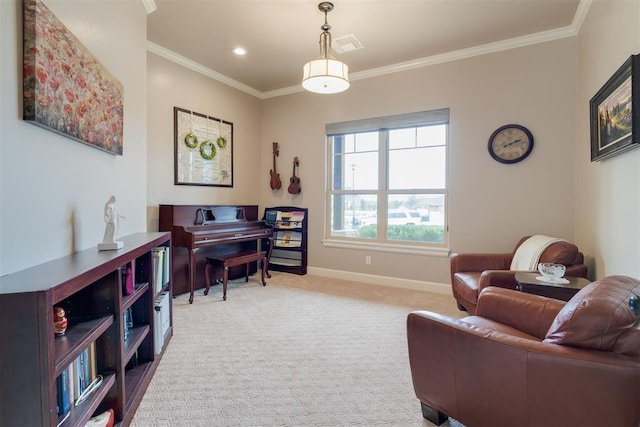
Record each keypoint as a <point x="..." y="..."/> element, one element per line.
<point x="290" y="256"/>
<point x="88" y="285"/>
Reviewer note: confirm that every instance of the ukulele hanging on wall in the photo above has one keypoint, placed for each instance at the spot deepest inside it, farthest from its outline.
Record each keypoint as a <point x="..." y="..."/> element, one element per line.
<point x="294" y="182"/>
<point x="275" y="176"/>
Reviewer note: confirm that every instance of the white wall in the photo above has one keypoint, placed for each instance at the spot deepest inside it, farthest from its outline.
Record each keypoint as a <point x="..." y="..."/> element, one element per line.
<point x="492" y="205"/>
<point x="171" y="85"/>
<point x="607" y="210"/>
<point x="53" y="189"/>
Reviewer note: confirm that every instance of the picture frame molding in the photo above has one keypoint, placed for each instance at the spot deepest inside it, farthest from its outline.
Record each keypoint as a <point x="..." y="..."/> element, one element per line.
<point x="628" y="72"/>
<point x="190" y="166"/>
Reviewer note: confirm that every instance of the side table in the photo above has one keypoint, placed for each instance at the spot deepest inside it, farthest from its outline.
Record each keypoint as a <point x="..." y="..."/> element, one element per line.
<point x="527" y="282"/>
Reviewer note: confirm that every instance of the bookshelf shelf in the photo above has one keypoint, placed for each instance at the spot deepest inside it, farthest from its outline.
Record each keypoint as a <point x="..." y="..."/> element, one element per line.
<point x="80" y="414"/>
<point x="289" y="252"/>
<point x="131" y="344"/>
<point x="69" y="346"/>
<point x="40" y="373"/>
<point x="135" y="381"/>
<point x="128" y="300"/>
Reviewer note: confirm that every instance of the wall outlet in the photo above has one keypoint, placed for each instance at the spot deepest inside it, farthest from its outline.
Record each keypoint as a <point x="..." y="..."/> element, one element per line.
<point x="367" y="260"/>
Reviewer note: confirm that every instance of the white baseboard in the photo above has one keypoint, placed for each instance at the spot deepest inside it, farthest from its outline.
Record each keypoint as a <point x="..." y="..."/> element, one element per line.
<point x="441" y="288"/>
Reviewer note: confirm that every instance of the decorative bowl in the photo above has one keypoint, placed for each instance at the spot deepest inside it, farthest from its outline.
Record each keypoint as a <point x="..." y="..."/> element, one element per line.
<point x="550" y="271"/>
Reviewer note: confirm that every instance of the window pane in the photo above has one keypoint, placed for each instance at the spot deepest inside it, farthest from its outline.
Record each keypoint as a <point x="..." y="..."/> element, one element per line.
<point x="402" y="138"/>
<point x="367" y="141"/>
<point x="355" y="143"/>
<point x="416" y="217"/>
<point x="355" y="170"/>
<point x="353" y="215"/>
<point x="429" y="136"/>
<point x="419" y="168"/>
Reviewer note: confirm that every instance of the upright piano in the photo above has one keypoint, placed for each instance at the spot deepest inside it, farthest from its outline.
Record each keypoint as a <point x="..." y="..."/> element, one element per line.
<point x="200" y="231"/>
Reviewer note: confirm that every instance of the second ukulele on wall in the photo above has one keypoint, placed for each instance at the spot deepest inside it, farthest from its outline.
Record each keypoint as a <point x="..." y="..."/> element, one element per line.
<point x="294" y="181"/>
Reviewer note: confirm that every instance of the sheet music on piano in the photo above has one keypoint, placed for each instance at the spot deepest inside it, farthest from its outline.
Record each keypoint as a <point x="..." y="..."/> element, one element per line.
<point x="218" y="214"/>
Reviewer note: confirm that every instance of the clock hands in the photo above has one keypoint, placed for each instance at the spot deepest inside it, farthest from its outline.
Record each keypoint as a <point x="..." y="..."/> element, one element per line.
<point x="512" y="142"/>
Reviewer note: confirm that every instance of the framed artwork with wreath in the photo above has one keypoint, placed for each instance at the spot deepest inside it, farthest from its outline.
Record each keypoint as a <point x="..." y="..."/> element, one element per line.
<point x="203" y="149"/>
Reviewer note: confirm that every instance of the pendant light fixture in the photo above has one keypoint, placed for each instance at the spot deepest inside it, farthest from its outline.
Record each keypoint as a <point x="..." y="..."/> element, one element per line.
<point x="326" y="74"/>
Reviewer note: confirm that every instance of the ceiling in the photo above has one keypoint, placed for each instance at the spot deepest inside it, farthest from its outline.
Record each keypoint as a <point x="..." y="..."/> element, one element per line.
<point x="280" y="36"/>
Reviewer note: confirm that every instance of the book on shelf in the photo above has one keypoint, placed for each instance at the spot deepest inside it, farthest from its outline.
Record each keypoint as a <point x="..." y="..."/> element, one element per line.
<point x="106" y="419"/>
<point x="270" y="218"/>
<point x="127" y="323"/>
<point x="289" y="219"/>
<point x="160" y="267"/>
<point x="166" y="277"/>
<point x="93" y="370"/>
<point x="162" y="321"/>
<point x="292" y="239"/>
<point x="297" y="217"/>
<point x="157" y="254"/>
<point x="77" y="381"/>
<point x="63" y="397"/>
<point x="286" y="258"/>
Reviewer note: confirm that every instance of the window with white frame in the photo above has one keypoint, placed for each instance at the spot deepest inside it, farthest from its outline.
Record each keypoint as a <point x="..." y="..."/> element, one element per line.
<point x="387" y="181"/>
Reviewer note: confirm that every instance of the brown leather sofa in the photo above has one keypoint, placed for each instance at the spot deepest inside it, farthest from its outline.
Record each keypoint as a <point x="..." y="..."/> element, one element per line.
<point x="526" y="360"/>
<point x="472" y="272"/>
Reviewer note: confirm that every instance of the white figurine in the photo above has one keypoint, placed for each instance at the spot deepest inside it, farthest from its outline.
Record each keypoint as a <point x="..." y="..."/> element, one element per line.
<point x="111" y="218"/>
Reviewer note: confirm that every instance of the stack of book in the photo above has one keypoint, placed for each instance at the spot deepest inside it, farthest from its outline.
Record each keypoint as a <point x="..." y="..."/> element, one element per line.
<point x="77" y="381"/>
<point x="160" y="267"/>
<point x="127" y="323"/>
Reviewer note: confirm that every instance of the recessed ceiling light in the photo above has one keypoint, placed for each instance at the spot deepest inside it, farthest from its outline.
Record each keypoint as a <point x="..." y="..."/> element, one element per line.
<point x="239" y="51"/>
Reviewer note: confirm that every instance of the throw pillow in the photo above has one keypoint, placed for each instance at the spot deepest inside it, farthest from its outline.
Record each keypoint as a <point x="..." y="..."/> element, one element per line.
<point x="596" y="316"/>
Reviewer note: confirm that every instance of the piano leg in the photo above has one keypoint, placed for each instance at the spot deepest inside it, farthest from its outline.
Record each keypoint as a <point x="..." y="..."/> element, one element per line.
<point x="192" y="273"/>
<point x="265" y="266"/>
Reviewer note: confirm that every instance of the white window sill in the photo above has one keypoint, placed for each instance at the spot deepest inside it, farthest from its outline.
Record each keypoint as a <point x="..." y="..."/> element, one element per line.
<point x="388" y="247"/>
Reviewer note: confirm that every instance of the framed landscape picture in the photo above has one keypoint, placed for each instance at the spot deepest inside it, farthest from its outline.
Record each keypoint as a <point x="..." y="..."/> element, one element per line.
<point x="65" y="88"/>
<point x="615" y="112"/>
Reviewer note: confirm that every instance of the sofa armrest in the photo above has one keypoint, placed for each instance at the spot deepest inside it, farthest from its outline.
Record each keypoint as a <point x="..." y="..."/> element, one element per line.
<point x="472" y="374"/>
<point x="576" y="270"/>
<point x="500" y="278"/>
<point x="529" y="313"/>
<point x="479" y="262"/>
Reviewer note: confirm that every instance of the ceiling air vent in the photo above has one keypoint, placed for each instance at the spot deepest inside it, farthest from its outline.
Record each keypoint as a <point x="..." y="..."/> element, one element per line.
<point x="346" y="44"/>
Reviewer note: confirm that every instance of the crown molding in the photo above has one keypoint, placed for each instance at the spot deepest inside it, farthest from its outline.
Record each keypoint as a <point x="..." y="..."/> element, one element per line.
<point x="528" y="40"/>
<point x="198" y="68"/>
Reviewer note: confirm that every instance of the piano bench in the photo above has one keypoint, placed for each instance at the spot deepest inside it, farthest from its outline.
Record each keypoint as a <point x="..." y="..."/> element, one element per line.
<point x="231" y="260"/>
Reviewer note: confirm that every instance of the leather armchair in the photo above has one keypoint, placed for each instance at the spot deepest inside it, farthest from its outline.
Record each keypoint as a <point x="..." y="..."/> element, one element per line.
<point x="502" y="367"/>
<point x="472" y="272"/>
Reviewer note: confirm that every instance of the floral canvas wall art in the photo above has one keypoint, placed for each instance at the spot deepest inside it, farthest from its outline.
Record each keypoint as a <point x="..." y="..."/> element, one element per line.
<point x="66" y="89"/>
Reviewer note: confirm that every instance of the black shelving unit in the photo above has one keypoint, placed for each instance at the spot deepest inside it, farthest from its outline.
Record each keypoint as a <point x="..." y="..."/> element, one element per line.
<point x="289" y="252"/>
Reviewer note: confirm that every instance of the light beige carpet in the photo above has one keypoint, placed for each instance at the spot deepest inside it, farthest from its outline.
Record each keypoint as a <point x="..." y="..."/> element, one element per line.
<point x="302" y="351"/>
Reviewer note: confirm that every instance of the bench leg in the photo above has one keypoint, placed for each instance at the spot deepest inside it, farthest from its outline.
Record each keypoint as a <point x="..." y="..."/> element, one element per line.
<point x="225" y="277"/>
<point x="246" y="273"/>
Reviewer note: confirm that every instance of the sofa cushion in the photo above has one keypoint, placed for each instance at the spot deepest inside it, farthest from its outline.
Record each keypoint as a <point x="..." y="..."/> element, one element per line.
<point x="597" y="315"/>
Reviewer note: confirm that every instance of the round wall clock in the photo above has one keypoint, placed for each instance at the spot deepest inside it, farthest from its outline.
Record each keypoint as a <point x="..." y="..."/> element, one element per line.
<point x="510" y="143"/>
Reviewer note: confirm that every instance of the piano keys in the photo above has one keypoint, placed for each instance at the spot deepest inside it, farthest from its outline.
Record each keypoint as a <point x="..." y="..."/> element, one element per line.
<point x="201" y="231"/>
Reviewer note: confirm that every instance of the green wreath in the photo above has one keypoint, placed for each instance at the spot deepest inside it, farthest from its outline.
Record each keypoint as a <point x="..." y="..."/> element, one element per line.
<point x="207" y="150"/>
<point x="222" y="141"/>
<point x="191" y="140"/>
